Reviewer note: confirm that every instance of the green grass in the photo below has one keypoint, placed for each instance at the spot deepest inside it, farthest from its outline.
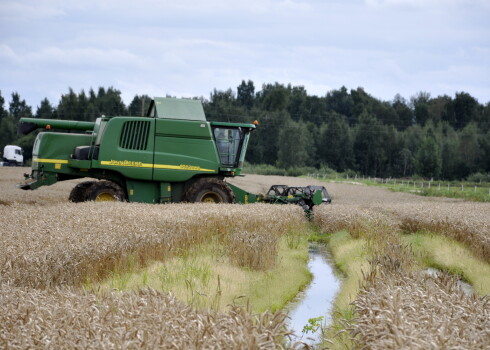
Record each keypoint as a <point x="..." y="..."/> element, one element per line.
<point x="468" y="192"/>
<point x="204" y="277"/>
<point x="480" y="194"/>
<point x="350" y="257"/>
<point x="448" y="255"/>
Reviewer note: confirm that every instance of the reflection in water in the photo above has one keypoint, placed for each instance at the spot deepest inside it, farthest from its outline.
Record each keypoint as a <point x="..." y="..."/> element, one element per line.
<point x="317" y="298"/>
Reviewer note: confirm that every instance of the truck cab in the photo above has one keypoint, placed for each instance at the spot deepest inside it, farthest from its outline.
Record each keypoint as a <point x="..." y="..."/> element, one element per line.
<point x="13" y="156"/>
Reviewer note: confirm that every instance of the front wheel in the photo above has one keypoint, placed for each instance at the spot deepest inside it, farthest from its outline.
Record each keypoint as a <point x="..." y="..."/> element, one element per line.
<point x="79" y="192"/>
<point x="105" y="191"/>
<point x="209" y="190"/>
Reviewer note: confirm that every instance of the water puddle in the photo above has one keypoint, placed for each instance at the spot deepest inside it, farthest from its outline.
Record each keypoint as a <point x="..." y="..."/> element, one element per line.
<point x="467" y="288"/>
<point x="316" y="299"/>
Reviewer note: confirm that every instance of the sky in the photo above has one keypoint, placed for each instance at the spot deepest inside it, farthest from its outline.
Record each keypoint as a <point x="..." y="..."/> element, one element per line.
<point x="188" y="48"/>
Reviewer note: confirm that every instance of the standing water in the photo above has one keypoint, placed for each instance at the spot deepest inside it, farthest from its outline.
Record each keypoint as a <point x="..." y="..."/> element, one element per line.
<point x="316" y="299"/>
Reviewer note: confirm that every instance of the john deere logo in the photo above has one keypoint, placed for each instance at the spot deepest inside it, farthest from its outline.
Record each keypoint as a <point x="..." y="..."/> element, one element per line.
<point x="124" y="163"/>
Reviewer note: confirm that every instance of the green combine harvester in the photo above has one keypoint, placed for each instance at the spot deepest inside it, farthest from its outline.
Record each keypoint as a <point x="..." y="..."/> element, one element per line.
<point x="172" y="155"/>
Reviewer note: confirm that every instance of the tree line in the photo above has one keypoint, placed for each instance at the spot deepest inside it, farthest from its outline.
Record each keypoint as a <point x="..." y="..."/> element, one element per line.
<point x="439" y="137"/>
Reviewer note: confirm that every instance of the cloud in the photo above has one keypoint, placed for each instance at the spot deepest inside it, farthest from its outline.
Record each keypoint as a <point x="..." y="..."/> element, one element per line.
<point x="28" y="11"/>
<point x="427" y="4"/>
<point x="187" y="48"/>
<point x="76" y="57"/>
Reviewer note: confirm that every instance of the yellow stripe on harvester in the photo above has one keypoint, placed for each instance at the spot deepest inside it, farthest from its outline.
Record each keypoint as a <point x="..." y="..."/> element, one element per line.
<point x="52" y="161"/>
<point x="129" y="163"/>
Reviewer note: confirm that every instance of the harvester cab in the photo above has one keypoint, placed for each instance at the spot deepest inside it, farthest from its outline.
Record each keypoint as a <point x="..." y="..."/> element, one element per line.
<point x="173" y="154"/>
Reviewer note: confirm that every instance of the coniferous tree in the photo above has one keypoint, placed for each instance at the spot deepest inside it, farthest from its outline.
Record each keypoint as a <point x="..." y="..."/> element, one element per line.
<point x="274" y="97"/>
<point x="335" y="147"/>
<point x="139" y="105"/>
<point x="264" y="142"/>
<point x="485" y="147"/>
<point x="470" y="152"/>
<point x="68" y="106"/>
<point x="340" y="101"/>
<point x="484" y="123"/>
<point x="246" y="94"/>
<point x="82" y="106"/>
<point x="404" y="114"/>
<point x="392" y="145"/>
<point x="449" y="152"/>
<point x="297" y="104"/>
<point x="7" y="130"/>
<point x="91" y="112"/>
<point x="18" y="108"/>
<point x="368" y="145"/>
<point x="45" y="110"/>
<point x="466" y="109"/>
<point x="294" y="144"/>
<point x="428" y="160"/>
<point x="109" y="102"/>
<point x="3" y="112"/>
<point x="420" y="104"/>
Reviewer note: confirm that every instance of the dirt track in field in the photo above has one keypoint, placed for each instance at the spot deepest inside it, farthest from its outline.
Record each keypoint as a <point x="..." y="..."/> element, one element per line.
<point x="342" y="193"/>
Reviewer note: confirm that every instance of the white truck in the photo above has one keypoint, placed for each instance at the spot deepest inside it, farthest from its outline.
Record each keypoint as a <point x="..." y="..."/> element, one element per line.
<point x="12" y="156"/>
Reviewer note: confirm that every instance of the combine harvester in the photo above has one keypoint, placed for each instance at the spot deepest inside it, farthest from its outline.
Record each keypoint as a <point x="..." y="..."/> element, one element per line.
<point x="171" y="155"/>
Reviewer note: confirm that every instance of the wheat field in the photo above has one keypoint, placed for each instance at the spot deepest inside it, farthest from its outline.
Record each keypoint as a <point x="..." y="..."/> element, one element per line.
<point x="50" y="248"/>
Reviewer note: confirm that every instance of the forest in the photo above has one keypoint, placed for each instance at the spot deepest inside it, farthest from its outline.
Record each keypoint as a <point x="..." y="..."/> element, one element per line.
<point x="345" y="130"/>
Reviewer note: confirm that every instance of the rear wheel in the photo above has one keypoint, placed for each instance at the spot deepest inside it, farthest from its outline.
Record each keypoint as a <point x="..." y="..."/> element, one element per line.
<point x="209" y="190"/>
<point x="105" y="191"/>
<point x="78" y="194"/>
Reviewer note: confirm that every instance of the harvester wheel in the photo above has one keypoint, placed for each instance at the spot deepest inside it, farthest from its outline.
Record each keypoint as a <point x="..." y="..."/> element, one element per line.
<point x="209" y="190"/>
<point x="78" y="194"/>
<point x="105" y="191"/>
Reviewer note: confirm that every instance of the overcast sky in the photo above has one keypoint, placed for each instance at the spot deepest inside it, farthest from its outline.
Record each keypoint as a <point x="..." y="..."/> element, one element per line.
<point x="187" y="48"/>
